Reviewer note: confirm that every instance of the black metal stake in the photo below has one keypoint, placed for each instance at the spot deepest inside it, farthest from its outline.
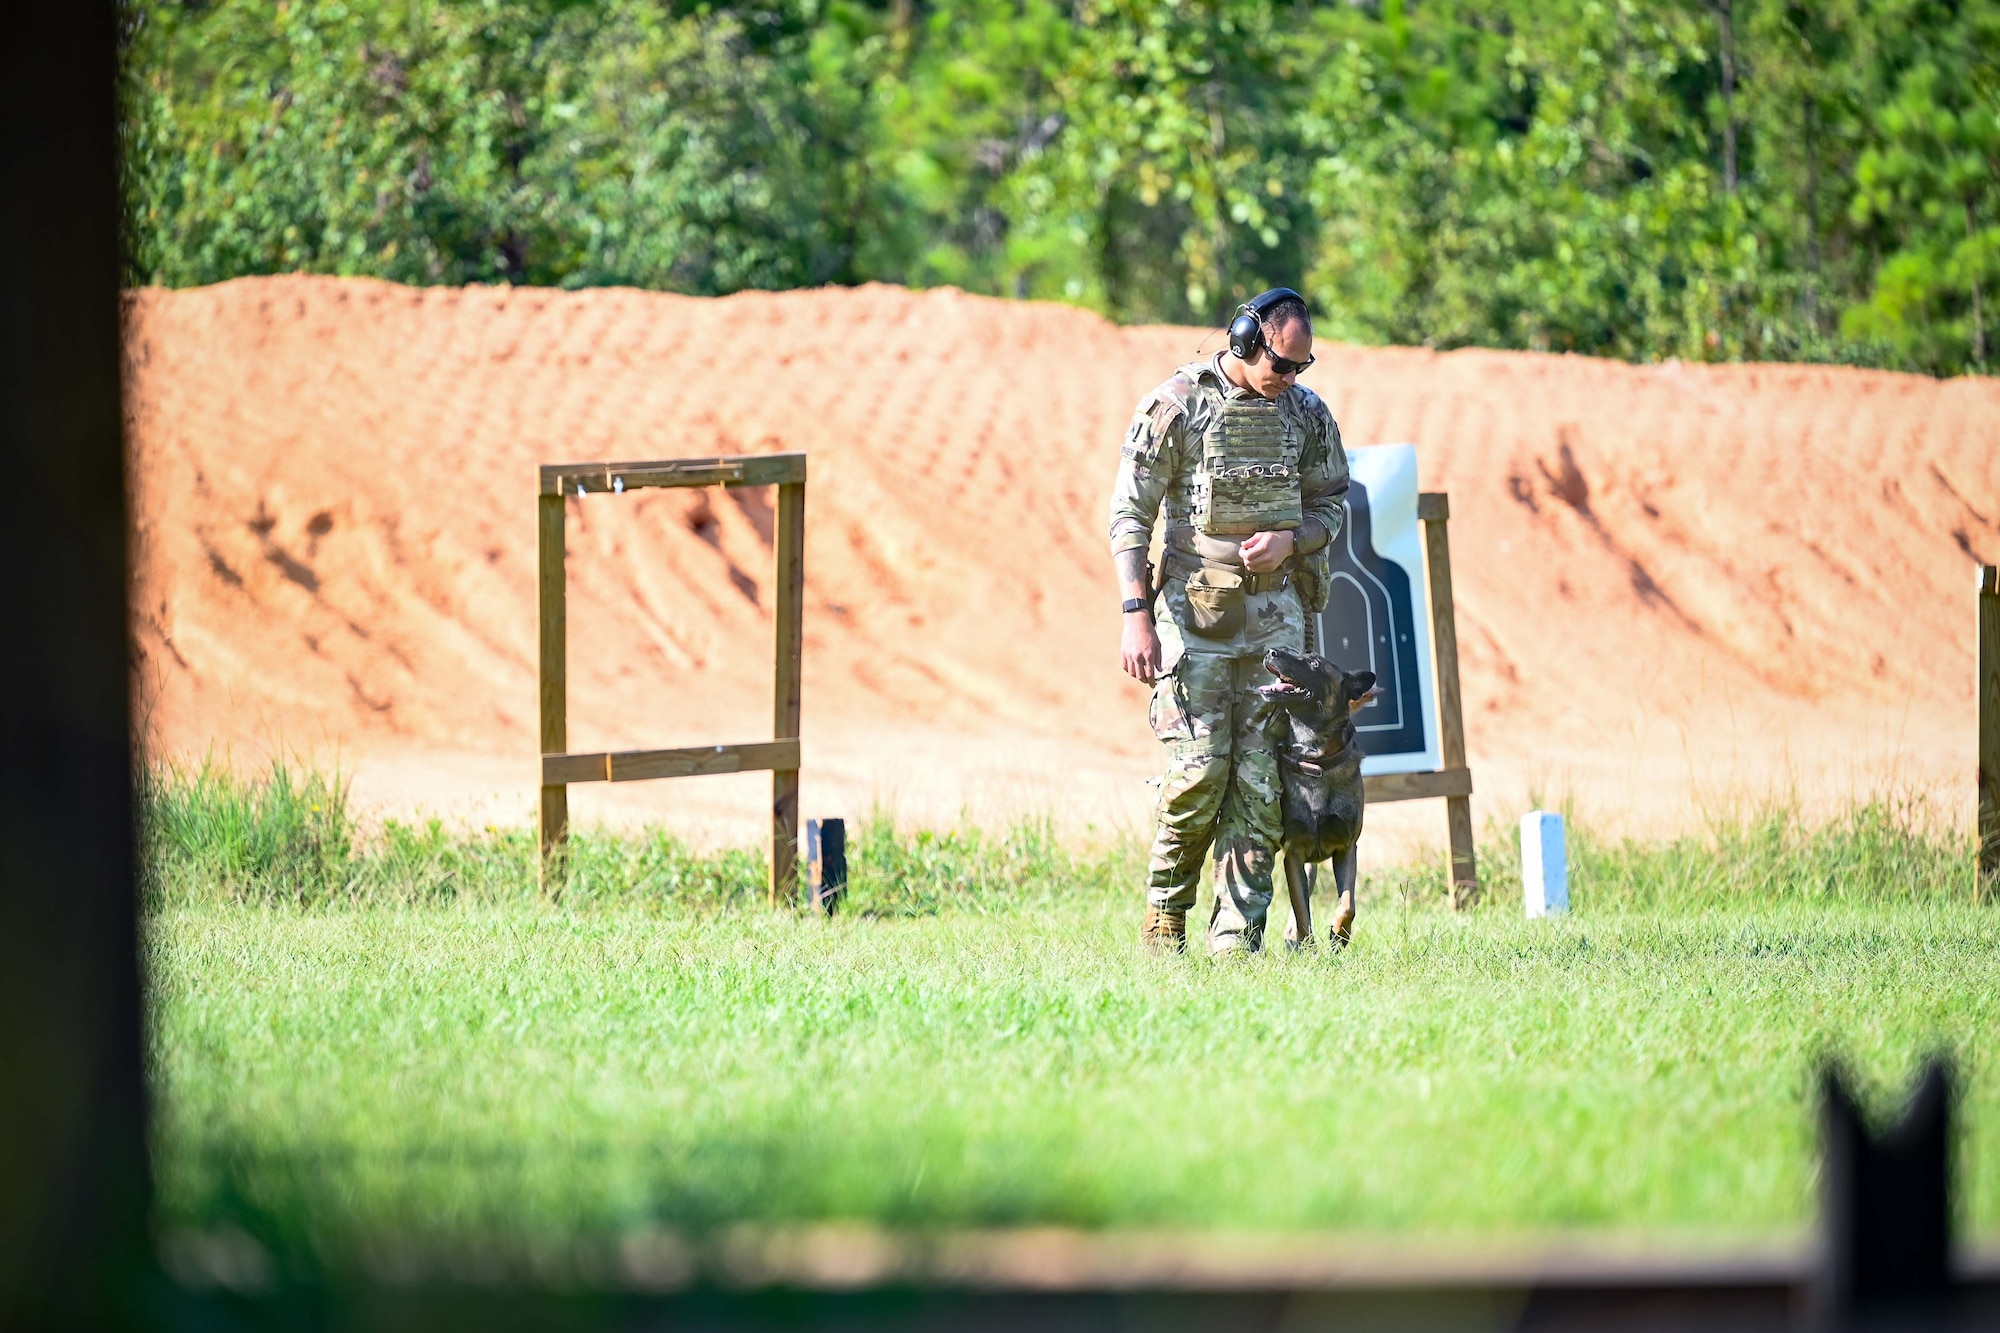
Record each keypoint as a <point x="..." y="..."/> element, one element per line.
<point x="826" y="863"/>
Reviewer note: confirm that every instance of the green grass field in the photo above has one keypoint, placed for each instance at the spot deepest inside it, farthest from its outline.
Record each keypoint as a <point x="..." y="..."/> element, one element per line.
<point x="390" y="1036"/>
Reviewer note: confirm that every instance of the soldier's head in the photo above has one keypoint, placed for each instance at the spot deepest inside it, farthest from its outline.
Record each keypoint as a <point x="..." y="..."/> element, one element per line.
<point x="1271" y="342"/>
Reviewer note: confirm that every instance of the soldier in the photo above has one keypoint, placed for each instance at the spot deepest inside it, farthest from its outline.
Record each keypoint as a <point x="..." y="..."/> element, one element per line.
<point x="1248" y="465"/>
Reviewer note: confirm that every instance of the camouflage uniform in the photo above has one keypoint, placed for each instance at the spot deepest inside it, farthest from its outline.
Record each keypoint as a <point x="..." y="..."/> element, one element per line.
<point x="1221" y="783"/>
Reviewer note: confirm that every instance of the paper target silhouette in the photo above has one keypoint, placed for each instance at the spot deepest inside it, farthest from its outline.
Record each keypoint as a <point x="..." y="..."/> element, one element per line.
<point x="1376" y="617"/>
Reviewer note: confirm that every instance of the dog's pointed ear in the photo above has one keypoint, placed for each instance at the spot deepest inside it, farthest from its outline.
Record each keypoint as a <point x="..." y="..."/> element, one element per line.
<point x="1361" y="690"/>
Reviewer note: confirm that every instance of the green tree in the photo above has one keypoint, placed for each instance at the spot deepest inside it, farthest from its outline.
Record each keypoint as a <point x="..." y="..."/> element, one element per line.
<point x="1175" y="182"/>
<point x="1928" y="190"/>
<point x="501" y="140"/>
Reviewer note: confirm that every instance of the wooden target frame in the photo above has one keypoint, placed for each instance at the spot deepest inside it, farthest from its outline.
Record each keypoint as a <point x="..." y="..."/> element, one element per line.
<point x="1452" y="780"/>
<point x="562" y="482"/>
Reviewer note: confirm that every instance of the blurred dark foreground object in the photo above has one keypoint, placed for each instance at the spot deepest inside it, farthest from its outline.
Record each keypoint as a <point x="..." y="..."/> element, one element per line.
<point x="1885" y="1207"/>
<point x="1884" y="1263"/>
<point x="73" y="1192"/>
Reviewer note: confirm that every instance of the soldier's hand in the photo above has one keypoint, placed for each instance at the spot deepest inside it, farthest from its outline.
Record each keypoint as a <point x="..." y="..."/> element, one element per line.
<point x="1140" y="647"/>
<point x="1264" y="551"/>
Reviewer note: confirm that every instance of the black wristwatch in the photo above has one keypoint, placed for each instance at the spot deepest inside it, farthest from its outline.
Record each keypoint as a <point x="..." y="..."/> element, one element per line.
<point x="1134" y="604"/>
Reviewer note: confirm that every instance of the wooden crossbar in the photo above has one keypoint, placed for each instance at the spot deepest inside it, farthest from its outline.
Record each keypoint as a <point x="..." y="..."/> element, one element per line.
<point x="1445" y="782"/>
<point x="567" y="479"/>
<point x="691" y="761"/>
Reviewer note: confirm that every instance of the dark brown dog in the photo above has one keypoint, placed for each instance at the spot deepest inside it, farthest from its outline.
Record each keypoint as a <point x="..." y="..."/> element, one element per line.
<point x="1319" y="763"/>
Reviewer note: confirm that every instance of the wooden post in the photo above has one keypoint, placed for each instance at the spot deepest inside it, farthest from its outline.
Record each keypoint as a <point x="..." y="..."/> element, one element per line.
<point x="787" y="635"/>
<point x="1434" y="508"/>
<point x="1989" y="729"/>
<point x="554" y="617"/>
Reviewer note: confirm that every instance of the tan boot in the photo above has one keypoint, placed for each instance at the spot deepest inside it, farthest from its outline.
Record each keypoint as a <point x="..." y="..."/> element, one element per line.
<point x="1165" y="930"/>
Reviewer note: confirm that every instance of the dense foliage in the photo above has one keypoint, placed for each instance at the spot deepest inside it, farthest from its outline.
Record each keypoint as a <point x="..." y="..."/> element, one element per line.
<point x="1706" y="179"/>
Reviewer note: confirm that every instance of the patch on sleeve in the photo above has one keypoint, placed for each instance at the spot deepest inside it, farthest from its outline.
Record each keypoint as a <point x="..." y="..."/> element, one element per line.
<point x="1322" y="435"/>
<point x="1138" y="438"/>
<point x="1151" y="426"/>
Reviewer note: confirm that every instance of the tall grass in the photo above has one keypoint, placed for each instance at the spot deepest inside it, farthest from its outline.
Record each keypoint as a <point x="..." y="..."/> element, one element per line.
<point x="287" y="837"/>
<point x="1879" y="851"/>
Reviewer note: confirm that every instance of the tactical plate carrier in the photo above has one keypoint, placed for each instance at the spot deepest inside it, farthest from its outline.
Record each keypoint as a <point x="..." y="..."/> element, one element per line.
<point x="1249" y="478"/>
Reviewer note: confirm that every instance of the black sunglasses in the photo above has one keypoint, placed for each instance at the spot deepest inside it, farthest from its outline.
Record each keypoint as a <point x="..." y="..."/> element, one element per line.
<point x="1278" y="363"/>
<point x="1286" y="367"/>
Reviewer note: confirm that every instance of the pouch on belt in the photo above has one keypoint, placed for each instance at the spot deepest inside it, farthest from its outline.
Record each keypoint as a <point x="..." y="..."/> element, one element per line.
<point x="1216" y="599"/>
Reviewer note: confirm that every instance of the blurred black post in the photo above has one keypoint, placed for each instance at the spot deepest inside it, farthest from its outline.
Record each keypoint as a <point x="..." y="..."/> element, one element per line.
<point x="826" y="863"/>
<point x="1885" y="1204"/>
<point x="73" y="1181"/>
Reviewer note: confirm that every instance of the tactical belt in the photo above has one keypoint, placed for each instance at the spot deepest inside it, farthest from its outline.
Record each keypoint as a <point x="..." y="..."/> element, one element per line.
<point x="1181" y="565"/>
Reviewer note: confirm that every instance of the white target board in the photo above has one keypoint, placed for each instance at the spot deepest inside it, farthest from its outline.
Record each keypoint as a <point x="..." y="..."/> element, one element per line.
<point x="1377" y="611"/>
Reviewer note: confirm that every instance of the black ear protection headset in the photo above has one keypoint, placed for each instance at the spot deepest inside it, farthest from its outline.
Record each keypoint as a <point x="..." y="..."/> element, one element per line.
<point x="1246" y="331"/>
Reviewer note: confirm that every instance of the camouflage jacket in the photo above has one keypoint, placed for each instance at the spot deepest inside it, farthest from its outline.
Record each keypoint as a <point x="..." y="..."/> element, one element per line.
<point x="1163" y="454"/>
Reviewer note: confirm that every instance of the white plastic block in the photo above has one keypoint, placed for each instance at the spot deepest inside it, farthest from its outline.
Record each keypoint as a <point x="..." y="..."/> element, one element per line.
<point x="1544" y="864"/>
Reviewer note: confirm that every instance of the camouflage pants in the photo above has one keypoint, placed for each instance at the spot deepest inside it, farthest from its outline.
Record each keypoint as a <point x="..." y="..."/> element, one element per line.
<point x="1220" y="790"/>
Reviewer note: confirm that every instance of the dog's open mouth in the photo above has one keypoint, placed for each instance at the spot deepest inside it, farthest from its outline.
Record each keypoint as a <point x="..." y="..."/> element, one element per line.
<point x="1283" y="689"/>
